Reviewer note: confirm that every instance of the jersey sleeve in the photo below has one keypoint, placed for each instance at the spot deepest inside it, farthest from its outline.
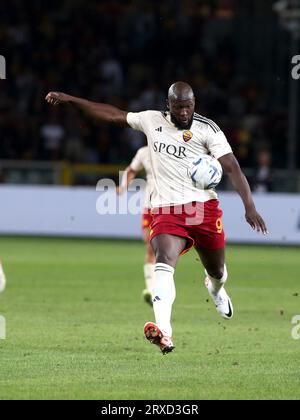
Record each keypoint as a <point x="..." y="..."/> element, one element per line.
<point x="137" y="163"/>
<point x="217" y="143"/>
<point x="136" y="120"/>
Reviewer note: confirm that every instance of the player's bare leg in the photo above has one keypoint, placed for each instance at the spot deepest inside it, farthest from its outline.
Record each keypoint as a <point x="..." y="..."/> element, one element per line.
<point x="149" y="268"/>
<point x="216" y="276"/>
<point x="167" y="249"/>
<point x="2" y="278"/>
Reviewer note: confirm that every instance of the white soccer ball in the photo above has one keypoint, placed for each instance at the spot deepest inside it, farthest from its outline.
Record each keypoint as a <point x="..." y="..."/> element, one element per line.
<point x="206" y="172"/>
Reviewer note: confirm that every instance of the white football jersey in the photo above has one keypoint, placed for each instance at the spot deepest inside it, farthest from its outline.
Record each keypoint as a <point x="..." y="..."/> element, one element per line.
<point x="142" y="161"/>
<point x="171" y="152"/>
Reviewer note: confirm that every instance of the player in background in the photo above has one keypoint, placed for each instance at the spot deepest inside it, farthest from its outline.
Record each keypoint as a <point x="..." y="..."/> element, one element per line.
<point x="141" y="161"/>
<point x="2" y="278"/>
<point x="176" y="137"/>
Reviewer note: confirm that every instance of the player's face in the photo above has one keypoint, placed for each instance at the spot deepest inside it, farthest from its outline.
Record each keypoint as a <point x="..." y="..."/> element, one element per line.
<point x="182" y="112"/>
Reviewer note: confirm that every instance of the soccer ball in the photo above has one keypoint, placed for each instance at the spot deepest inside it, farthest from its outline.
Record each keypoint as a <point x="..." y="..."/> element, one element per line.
<point x="206" y="172"/>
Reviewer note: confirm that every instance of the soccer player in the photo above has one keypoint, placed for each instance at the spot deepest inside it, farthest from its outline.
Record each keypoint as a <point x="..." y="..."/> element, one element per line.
<point x="2" y="278"/>
<point x="142" y="161"/>
<point x="176" y="137"/>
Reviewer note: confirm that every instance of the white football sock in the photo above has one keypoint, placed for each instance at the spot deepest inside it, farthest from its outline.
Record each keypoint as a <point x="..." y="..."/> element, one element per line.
<point x="217" y="283"/>
<point x="2" y="279"/>
<point x="149" y="275"/>
<point x="164" y="296"/>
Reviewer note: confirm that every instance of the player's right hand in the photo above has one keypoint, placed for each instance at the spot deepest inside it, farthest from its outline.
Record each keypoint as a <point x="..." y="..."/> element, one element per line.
<point x="256" y="221"/>
<point x="56" y="98"/>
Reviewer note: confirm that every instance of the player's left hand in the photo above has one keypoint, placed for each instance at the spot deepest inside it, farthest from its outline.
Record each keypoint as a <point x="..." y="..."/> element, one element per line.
<point x="119" y="190"/>
<point x="256" y="221"/>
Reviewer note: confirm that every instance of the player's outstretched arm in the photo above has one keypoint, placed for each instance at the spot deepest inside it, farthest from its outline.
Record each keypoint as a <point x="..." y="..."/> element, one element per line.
<point x="128" y="176"/>
<point x="232" y="168"/>
<point x="100" y="112"/>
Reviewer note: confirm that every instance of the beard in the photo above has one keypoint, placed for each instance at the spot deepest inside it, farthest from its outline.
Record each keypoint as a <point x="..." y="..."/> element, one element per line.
<point x="180" y="125"/>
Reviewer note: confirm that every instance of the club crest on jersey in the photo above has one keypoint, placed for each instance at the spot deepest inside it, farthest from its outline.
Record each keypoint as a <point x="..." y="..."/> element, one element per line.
<point x="187" y="135"/>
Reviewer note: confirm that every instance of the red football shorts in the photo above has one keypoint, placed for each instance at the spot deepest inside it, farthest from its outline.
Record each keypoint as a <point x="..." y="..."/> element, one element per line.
<point x="199" y="223"/>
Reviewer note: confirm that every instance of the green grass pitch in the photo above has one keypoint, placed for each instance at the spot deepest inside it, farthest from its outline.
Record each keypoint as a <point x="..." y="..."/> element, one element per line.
<point x="75" y="321"/>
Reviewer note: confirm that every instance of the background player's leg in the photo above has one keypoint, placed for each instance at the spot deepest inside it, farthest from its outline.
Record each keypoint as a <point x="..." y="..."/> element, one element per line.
<point x="2" y="278"/>
<point x="216" y="276"/>
<point x="167" y="249"/>
<point x="149" y="267"/>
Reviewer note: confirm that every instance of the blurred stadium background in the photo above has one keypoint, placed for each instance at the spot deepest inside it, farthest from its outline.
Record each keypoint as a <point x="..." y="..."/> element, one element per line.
<point x="66" y="299"/>
<point x="237" y="55"/>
